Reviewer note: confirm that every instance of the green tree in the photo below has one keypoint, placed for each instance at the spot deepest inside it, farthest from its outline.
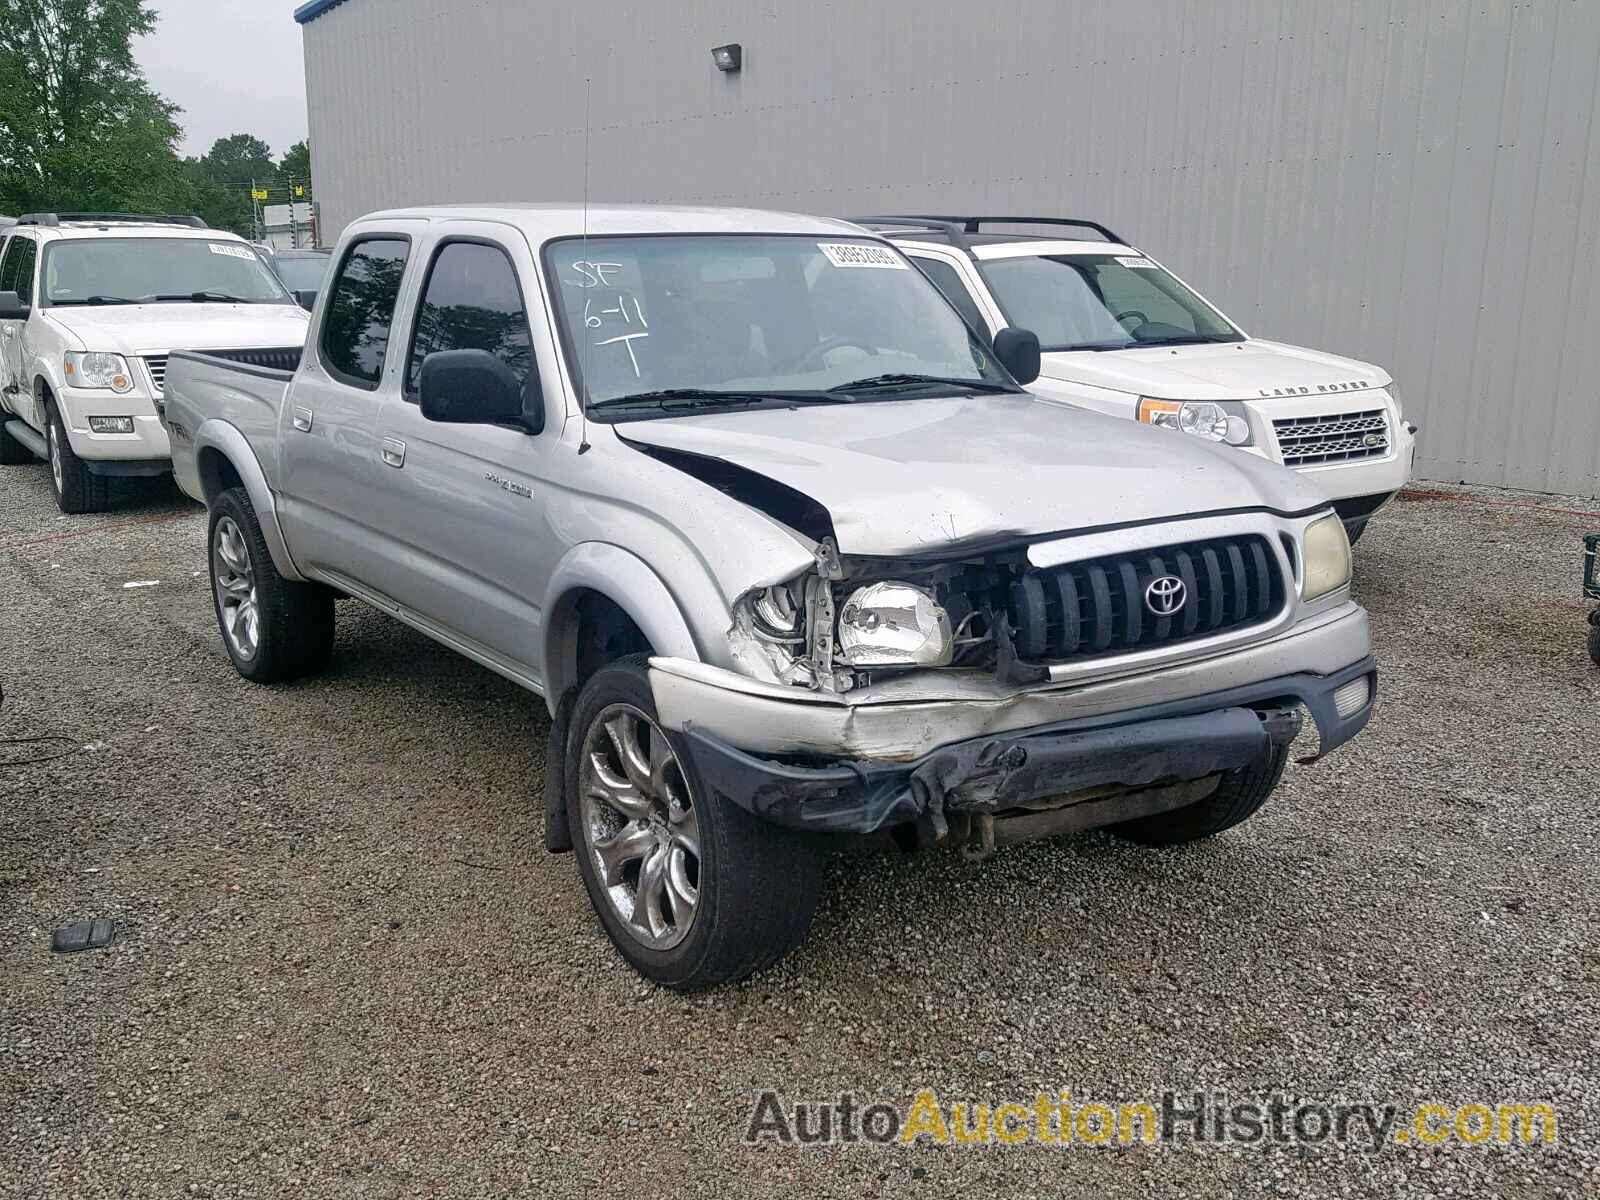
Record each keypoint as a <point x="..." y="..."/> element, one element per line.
<point x="79" y="126"/>
<point x="222" y="178"/>
<point x="296" y="165"/>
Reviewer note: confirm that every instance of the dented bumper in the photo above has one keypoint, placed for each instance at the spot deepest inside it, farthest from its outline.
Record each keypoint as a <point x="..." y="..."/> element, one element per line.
<point x="859" y="763"/>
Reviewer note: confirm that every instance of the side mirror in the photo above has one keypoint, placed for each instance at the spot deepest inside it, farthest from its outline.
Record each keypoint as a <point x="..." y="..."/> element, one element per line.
<point x="1018" y="352"/>
<point x="306" y="299"/>
<point x="11" y="307"/>
<point x="473" y="387"/>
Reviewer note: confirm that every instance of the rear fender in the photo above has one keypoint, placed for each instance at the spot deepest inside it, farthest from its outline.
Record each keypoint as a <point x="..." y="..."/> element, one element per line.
<point x="217" y="442"/>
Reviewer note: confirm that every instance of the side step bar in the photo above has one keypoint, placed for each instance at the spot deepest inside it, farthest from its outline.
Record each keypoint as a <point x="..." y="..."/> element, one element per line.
<point x="24" y="433"/>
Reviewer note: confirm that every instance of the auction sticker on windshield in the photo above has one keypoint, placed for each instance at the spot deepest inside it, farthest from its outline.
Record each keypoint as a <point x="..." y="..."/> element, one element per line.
<point x="854" y="254"/>
<point x="1136" y="262"/>
<point x="231" y="251"/>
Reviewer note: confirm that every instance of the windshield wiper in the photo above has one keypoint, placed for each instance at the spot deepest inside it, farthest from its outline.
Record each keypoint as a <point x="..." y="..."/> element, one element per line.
<point x="196" y="298"/>
<point x="670" y="398"/>
<point x="896" y="382"/>
<point x="1191" y="339"/>
<point x="94" y="300"/>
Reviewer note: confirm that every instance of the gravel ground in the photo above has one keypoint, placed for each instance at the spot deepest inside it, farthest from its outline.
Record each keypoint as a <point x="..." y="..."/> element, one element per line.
<point x="344" y="965"/>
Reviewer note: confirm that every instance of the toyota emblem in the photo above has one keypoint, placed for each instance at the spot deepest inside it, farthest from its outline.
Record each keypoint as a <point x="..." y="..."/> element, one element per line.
<point x="1165" y="595"/>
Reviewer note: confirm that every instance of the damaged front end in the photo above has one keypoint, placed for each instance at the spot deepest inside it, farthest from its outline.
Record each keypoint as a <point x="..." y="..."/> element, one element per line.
<point x="851" y="622"/>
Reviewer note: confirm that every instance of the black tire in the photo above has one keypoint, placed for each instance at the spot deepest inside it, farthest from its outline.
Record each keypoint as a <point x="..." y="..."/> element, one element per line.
<point x="293" y="625"/>
<point x="1238" y="795"/>
<point x="1594" y="642"/>
<point x="12" y="452"/>
<point x="1355" y="529"/>
<point x="77" y="489"/>
<point x="756" y="883"/>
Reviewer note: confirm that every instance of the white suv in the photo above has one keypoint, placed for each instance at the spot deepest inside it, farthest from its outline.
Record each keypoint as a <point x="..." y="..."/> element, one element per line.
<point x="91" y="304"/>
<point x="1120" y="334"/>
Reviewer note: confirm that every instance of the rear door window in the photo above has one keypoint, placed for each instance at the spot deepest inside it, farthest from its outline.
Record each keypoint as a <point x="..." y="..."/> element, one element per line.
<point x="360" y="311"/>
<point x="471" y="301"/>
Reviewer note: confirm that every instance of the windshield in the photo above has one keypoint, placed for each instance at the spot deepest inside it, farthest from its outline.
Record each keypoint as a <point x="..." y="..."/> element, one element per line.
<point x="302" y="274"/>
<point x="157" y="269"/>
<point x="767" y="315"/>
<point x="1102" y="302"/>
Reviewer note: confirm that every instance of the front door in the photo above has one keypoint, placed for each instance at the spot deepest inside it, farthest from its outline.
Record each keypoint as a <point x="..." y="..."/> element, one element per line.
<point x="16" y="275"/>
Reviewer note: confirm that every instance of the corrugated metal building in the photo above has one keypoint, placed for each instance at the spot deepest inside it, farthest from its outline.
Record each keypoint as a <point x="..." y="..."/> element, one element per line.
<point x="1414" y="182"/>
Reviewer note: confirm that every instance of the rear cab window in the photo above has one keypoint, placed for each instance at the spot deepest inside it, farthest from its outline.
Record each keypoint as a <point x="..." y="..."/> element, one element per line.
<point x="360" y="311"/>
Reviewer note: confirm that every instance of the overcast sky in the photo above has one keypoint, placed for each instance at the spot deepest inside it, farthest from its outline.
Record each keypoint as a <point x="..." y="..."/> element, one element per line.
<point x="234" y="66"/>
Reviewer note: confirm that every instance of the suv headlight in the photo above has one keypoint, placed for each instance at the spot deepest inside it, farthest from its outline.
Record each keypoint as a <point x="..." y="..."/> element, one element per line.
<point x="95" y="369"/>
<point x="894" y="624"/>
<point x="1201" y="418"/>
<point x="1327" y="552"/>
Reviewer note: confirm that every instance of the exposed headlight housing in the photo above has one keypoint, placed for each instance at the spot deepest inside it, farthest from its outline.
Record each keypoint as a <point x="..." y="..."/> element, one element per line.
<point x="1199" y="418"/>
<point x="1327" y="555"/>
<point x="894" y="624"/>
<point x="96" y="369"/>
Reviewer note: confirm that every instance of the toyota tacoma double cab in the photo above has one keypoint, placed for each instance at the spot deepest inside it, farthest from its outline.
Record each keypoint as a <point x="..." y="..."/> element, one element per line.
<point x="784" y="544"/>
<point x="91" y="306"/>
<point x="1124" y="336"/>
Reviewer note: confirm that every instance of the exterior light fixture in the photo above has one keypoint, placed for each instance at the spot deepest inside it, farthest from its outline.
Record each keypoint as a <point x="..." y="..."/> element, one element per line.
<point x="729" y="58"/>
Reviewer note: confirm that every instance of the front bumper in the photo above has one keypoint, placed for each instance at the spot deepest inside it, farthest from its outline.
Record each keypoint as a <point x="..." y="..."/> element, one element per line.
<point x="1107" y="768"/>
<point x="142" y="451"/>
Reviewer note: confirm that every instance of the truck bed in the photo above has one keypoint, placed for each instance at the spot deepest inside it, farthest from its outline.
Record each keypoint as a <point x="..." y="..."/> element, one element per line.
<point x="242" y="388"/>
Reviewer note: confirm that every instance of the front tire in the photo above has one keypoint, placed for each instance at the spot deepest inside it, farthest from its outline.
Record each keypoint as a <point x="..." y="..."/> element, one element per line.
<point x="1238" y="795"/>
<point x="272" y="628"/>
<point x="691" y="889"/>
<point x="77" y="489"/>
<point x="1355" y="529"/>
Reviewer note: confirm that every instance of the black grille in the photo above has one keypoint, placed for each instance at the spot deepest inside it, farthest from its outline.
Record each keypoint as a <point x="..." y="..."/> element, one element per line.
<point x="286" y="359"/>
<point x="1095" y="607"/>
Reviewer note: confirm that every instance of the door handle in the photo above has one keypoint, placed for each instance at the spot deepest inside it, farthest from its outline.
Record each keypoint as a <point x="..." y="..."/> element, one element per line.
<point x="393" y="451"/>
<point x="302" y="419"/>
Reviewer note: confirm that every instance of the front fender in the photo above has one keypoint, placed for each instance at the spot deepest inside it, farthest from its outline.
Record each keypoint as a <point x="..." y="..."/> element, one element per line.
<point x="216" y="442"/>
<point x="628" y="582"/>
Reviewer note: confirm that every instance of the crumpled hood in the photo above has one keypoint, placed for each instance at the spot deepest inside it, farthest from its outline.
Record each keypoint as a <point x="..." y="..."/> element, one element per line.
<point x="913" y="476"/>
<point x="1231" y="371"/>
<point x="140" y="329"/>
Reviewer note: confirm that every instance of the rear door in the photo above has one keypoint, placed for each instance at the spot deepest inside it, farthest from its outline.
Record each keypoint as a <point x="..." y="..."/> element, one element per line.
<point x="465" y="523"/>
<point x="328" y="466"/>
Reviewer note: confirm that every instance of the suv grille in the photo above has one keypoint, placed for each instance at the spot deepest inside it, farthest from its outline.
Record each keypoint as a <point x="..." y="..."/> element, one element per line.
<point x="157" y="366"/>
<point x="1098" y="606"/>
<point x="1308" y="441"/>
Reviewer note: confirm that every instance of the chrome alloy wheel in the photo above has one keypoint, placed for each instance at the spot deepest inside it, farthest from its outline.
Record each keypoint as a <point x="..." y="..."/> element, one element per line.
<point x="57" y="468"/>
<point x="639" y="826"/>
<point x="234" y="578"/>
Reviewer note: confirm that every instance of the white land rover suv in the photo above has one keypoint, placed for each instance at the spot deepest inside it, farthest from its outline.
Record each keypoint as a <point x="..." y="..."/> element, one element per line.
<point x="1120" y="334"/>
<point x="91" y="304"/>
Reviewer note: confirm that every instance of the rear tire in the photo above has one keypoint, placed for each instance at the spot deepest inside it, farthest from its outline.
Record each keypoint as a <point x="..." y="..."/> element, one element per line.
<point x="272" y="628"/>
<point x="12" y="452"/>
<point x="727" y="895"/>
<point x="77" y="489"/>
<point x="1238" y="795"/>
<point x="1594" y="642"/>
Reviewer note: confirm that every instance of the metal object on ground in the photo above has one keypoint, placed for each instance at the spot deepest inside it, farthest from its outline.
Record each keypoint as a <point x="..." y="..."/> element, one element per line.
<point x="82" y="935"/>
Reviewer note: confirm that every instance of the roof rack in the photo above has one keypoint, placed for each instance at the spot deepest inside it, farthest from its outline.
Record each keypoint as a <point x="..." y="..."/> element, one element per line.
<point x="94" y="218"/>
<point x="950" y="229"/>
<point x="970" y="225"/>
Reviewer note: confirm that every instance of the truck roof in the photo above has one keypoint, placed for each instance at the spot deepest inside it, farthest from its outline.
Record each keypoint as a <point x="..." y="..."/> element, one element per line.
<point x="544" y="221"/>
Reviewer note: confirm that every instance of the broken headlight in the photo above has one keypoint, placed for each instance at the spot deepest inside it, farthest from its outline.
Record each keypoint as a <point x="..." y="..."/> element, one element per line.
<point x="894" y="624"/>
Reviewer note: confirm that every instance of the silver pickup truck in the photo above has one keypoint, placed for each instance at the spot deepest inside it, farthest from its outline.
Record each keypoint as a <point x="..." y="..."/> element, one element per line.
<point x="784" y="545"/>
